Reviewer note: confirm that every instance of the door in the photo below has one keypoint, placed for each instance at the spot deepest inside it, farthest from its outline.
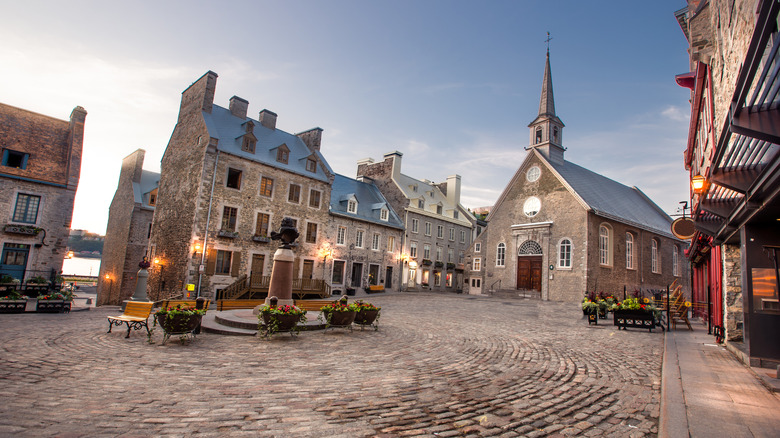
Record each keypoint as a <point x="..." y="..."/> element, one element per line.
<point x="357" y="274"/>
<point x="476" y="286"/>
<point x="13" y="261"/>
<point x="308" y="269"/>
<point x="256" y="273"/>
<point x="388" y="277"/>
<point x="529" y="273"/>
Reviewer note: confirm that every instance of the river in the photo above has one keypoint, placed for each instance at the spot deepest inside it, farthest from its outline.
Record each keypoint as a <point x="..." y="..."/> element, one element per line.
<point x="81" y="266"/>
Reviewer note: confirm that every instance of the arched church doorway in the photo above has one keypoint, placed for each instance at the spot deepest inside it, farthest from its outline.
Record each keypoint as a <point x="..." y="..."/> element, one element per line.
<point x="529" y="266"/>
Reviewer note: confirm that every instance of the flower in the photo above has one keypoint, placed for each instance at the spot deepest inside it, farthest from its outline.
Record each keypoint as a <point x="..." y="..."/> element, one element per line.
<point x="360" y="306"/>
<point x="13" y="296"/>
<point x="339" y="306"/>
<point x="56" y="296"/>
<point x="180" y="310"/>
<point x="281" y="310"/>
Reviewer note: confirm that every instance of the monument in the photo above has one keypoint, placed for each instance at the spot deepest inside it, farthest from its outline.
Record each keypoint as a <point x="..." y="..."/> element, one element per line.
<point x="282" y="272"/>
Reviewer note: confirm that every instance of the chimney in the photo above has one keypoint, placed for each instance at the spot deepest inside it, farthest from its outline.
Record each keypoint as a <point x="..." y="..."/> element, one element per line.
<point x="312" y="138"/>
<point x="395" y="158"/>
<point x="75" y="145"/>
<point x="238" y="107"/>
<point x="453" y="189"/>
<point x="200" y="95"/>
<point x="267" y="119"/>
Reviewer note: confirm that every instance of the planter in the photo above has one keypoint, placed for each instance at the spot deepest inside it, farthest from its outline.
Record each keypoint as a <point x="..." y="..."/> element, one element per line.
<point x="25" y="230"/>
<point x="261" y="239"/>
<point x="339" y="319"/>
<point x="634" y="318"/>
<point x="178" y="324"/>
<point x="593" y="316"/>
<point x="227" y="234"/>
<point x="279" y="323"/>
<point x="52" y="306"/>
<point x="12" y="306"/>
<point x="366" y="317"/>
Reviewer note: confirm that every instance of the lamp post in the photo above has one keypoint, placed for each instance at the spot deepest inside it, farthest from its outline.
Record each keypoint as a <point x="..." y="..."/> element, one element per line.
<point x="158" y="262"/>
<point x="108" y="279"/>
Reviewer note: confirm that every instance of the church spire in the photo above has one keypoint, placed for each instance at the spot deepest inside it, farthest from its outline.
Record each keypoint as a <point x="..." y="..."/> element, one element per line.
<point x="547" y="102"/>
<point x="547" y="128"/>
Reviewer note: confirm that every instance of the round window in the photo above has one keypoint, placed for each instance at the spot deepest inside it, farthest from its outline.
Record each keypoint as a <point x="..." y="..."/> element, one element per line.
<point x="533" y="174"/>
<point x="532" y="206"/>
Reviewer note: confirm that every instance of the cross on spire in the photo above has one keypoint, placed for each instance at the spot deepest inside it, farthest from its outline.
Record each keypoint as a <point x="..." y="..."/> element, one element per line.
<point x="548" y="41"/>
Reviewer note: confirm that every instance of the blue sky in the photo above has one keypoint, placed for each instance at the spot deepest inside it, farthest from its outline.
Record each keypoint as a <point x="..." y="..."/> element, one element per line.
<point x="451" y="84"/>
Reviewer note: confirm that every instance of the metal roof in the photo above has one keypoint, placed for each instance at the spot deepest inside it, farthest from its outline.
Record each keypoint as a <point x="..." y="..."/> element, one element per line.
<point x="229" y="130"/>
<point x="370" y="202"/>
<point x="149" y="181"/>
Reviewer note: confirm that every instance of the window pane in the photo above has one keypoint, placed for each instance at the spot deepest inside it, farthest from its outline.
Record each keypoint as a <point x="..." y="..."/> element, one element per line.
<point x="314" y="198"/>
<point x="295" y="193"/>
<point x="311" y="233"/>
<point x="262" y="224"/>
<point x="229" y="215"/>
<point x="26" y="208"/>
<point x="223" y="262"/>
<point x="266" y="186"/>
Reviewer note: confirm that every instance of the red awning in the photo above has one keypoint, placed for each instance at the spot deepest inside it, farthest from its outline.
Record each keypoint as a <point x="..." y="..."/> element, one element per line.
<point x="687" y="80"/>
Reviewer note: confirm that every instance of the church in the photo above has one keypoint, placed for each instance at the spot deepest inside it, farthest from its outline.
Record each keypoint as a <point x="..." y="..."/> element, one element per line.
<point x="559" y="231"/>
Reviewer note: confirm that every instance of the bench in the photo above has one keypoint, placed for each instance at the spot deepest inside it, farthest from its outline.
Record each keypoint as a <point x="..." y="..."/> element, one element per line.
<point x="135" y="316"/>
<point x="238" y="304"/>
<point x="376" y="288"/>
<point x="312" y="305"/>
<point x="164" y="304"/>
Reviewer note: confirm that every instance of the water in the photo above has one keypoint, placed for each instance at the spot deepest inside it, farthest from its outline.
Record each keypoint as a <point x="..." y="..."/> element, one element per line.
<point x="81" y="266"/>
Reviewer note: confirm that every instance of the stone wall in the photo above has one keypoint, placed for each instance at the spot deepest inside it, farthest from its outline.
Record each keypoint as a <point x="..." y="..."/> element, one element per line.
<point x="732" y="292"/>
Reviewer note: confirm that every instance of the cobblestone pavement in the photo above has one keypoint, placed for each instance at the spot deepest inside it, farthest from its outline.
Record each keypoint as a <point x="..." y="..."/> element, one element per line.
<point x="440" y="365"/>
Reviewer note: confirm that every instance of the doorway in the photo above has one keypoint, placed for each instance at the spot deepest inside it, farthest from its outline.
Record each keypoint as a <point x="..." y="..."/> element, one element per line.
<point x="529" y="273"/>
<point x="13" y="261"/>
<point x="357" y="274"/>
<point x="388" y="277"/>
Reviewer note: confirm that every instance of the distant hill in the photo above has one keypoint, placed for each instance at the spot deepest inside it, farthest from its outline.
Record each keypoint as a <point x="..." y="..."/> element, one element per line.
<point x="87" y="242"/>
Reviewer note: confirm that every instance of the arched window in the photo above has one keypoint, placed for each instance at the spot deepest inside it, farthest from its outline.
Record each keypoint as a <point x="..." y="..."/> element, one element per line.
<point x="500" y="254"/>
<point x="538" y="135"/>
<point x="564" y="254"/>
<point x="605" y="252"/>
<point x="655" y="266"/>
<point x="529" y="247"/>
<point x="629" y="251"/>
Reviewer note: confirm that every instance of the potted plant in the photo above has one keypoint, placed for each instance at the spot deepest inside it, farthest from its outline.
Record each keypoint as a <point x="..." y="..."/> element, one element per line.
<point x="635" y="312"/>
<point x="366" y="314"/>
<point x="261" y="238"/>
<point x="8" y="283"/>
<point x="591" y="309"/>
<point x="338" y="313"/>
<point x="13" y="303"/>
<point x="54" y="303"/>
<point x="275" y="319"/>
<point x="426" y="262"/>
<point x="178" y="320"/>
<point x="228" y="234"/>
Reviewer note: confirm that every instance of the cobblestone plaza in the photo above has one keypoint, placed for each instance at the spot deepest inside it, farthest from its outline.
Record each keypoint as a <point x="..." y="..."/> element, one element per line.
<point x="439" y="365"/>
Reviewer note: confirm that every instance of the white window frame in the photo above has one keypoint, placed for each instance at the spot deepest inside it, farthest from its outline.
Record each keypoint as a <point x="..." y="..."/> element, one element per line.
<point x="630" y="251"/>
<point x="565" y="249"/>
<point x="478" y="247"/>
<point x="501" y="255"/>
<point x="415" y="225"/>
<point x="390" y="243"/>
<point x="655" y="257"/>
<point x="352" y="206"/>
<point x="440" y="231"/>
<point x="427" y="251"/>
<point x="359" y="234"/>
<point x="605" y="245"/>
<point x="452" y="234"/>
<point x="413" y="249"/>
<point x="477" y="266"/>
<point x="428" y="228"/>
<point x="375" y="242"/>
<point x="341" y="236"/>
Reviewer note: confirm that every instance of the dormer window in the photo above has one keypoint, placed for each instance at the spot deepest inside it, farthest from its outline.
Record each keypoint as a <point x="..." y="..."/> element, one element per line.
<point x="15" y="159"/>
<point x="383" y="214"/>
<point x="352" y="206"/>
<point x="420" y="203"/>
<point x="283" y="154"/>
<point x="311" y="165"/>
<point x="438" y="209"/>
<point x="248" y="145"/>
<point x="153" y="197"/>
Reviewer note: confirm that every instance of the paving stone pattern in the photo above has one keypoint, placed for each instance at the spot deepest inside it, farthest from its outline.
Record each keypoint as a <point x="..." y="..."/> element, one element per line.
<point x="439" y="365"/>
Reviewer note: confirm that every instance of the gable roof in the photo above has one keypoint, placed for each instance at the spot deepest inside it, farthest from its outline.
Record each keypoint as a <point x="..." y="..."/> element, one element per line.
<point x="369" y="199"/>
<point x="431" y="195"/>
<point x="230" y="130"/>
<point x="149" y="181"/>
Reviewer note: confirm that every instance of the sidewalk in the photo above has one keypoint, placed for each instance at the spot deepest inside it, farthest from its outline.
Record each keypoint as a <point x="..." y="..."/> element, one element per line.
<point x="706" y="391"/>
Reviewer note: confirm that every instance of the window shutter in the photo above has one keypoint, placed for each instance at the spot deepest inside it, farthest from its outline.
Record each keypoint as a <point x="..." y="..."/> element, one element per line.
<point x="211" y="262"/>
<point x="236" y="266"/>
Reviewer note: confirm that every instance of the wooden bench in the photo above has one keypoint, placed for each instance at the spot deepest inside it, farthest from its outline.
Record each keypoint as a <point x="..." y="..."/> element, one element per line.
<point x="312" y="305"/>
<point x="376" y="288"/>
<point x="135" y="316"/>
<point x="238" y="304"/>
<point x="184" y="303"/>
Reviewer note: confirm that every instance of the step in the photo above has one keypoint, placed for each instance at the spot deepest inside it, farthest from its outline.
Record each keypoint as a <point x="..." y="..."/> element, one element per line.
<point x="242" y="322"/>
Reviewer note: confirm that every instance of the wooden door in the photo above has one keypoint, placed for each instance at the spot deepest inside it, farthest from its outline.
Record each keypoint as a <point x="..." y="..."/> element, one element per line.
<point x="308" y="269"/>
<point x="529" y="273"/>
<point x="256" y="273"/>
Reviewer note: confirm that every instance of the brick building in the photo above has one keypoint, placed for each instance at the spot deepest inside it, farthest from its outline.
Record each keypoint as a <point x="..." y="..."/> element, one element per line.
<point x="733" y="155"/>
<point x="128" y="230"/>
<point x="227" y="180"/>
<point x="39" y="175"/>
<point x="438" y="229"/>
<point x="559" y="230"/>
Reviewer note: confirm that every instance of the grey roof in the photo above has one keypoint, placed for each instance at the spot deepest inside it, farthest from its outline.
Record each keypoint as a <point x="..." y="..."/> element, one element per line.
<point x="149" y="181"/>
<point x="370" y="202"/>
<point x="611" y="199"/>
<point x="229" y="130"/>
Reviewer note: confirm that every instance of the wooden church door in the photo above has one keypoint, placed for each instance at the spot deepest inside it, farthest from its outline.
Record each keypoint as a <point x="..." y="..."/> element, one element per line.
<point x="529" y="273"/>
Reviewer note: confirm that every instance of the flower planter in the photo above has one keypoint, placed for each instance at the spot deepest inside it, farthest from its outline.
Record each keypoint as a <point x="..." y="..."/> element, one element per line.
<point x="634" y="318"/>
<point x="339" y="319"/>
<point x="24" y="230"/>
<point x="52" y="306"/>
<point x="593" y="316"/>
<point x="261" y="239"/>
<point x="366" y="317"/>
<point x="227" y="234"/>
<point x="280" y="323"/>
<point x="178" y="324"/>
<point x="12" y="306"/>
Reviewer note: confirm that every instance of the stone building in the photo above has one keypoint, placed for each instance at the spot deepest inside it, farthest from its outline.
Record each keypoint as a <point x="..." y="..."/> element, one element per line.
<point x="227" y="180"/>
<point x="733" y="157"/>
<point x="365" y="238"/>
<point x="39" y="174"/>
<point x="559" y="230"/>
<point x="128" y="230"/>
<point x="438" y="229"/>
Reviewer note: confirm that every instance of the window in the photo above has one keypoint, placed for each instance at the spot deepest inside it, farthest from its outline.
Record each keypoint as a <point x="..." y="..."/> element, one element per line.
<point x="500" y="254"/>
<point x="455" y="214"/>
<point x="438" y="209"/>
<point x="449" y="255"/>
<point x="462" y="236"/>
<point x="478" y="247"/>
<point x="477" y="264"/>
<point x="421" y="204"/>
<point x="233" y="179"/>
<point x="282" y="154"/>
<point x="314" y="198"/>
<point x="538" y="135"/>
<point x="415" y="225"/>
<point x="248" y="145"/>
<point x="413" y="250"/>
<point x="655" y="267"/>
<point x="359" y="239"/>
<point x="437" y="278"/>
<point x="229" y="217"/>
<point x="452" y="234"/>
<point x="351" y="206"/>
<point x="532" y="206"/>
<point x="629" y="251"/>
<point x="224" y="260"/>
<point x="153" y="197"/>
<point x="555" y="134"/>
<point x="375" y="242"/>
<point x="266" y="186"/>
<point x="676" y="261"/>
<point x="338" y="272"/>
<point x="461" y="256"/>
<point x="311" y="232"/>
<point x="428" y="228"/>
<point x="564" y="254"/>
<point x="605" y="256"/>
<point x="15" y="159"/>
<point x="311" y="165"/>
<point x="294" y="195"/>
<point x="390" y="243"/>
<point x="533" y="174"/>
<point x="440" y="231"/>
<point x="449" y="279"/>
<point x="26" y="209"/>
<point x="341" y="236"/>
<point x="383" y="214"/>
<point x="261" y="227"/>
<point x="427" y="251"/>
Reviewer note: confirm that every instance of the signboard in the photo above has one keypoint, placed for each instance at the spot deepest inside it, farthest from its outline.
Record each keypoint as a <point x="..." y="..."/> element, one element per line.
<point x="683" y="228"/>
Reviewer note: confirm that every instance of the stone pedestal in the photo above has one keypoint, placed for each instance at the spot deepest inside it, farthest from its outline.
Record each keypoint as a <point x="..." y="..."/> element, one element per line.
<point x="140" y="286"/>
<point x="282" y="277"/>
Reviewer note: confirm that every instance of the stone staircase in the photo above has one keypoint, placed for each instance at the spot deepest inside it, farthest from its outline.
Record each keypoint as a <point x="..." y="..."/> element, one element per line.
<point x="515" y="294"/>
<point x="242" y="322"/>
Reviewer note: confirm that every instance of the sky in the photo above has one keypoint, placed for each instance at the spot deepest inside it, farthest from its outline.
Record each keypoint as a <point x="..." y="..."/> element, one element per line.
<point x="452" y="85"/>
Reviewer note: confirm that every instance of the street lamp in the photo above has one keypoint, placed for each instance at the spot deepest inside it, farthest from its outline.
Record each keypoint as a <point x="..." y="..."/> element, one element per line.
<point x="699" y="184"/>
<point x="158" y="262"/>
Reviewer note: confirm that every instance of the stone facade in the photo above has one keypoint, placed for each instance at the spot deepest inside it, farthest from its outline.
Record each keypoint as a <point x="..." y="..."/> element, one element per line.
<point x="732" y="293"/>
<point x="127" y="232"/>
<point x="41" y="165"/>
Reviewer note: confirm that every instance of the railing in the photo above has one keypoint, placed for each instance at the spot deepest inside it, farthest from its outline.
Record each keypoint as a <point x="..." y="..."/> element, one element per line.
<point x="492" y="288"/>
<point x="235" y="290"/>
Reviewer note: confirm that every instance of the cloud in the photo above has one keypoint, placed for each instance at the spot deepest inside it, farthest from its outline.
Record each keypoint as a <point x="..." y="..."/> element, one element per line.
<point x="676" y="114"/>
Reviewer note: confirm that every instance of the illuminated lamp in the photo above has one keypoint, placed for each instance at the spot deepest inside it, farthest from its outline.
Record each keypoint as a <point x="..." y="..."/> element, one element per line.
<point x="699" y="184"/>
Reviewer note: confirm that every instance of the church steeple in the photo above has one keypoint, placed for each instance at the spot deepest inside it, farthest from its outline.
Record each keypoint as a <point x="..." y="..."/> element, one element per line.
<point x="547" y="128"/>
